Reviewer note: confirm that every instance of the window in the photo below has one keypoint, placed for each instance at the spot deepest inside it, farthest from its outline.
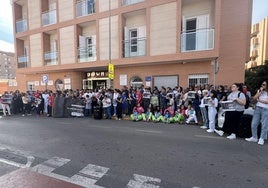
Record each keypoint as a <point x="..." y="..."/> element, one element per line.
<point x="135" y="82"/>
<point x="198" y="79"/>
<point x="133" y="36"/>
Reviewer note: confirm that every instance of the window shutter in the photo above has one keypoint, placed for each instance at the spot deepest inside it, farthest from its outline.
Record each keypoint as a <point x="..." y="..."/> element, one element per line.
<point x="142" y="41"/>
<point x="126" y="42"/>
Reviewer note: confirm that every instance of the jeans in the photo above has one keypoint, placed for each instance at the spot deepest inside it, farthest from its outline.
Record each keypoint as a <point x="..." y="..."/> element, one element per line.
<point x="211" y="116"/>
<point x="107" y="112"/>
<point x="260" y="116"/>
<point x="204" y="114"/>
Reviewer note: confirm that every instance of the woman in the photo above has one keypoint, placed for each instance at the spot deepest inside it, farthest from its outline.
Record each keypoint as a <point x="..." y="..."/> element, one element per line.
<point x="212" y="110"/>
<point x="232" y="118"/>
<point x="260" y="115"/>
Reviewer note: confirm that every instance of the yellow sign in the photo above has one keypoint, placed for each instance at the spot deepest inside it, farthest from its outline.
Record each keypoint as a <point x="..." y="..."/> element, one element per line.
<point x="111" y="71"/>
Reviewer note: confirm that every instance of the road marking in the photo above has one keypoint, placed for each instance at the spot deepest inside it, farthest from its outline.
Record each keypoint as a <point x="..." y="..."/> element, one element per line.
<point x="213" y="137"/>
<point x="148" y="131"/>
<point x="89" y="175"/>
<point x="140" y="181"/>
<point x="48" y="166"/>
<point x="30" y="160"/>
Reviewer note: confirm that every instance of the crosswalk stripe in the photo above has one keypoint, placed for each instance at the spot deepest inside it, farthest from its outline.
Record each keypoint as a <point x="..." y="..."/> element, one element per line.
<point x="140" y="181"/>
<point x="89" y="175"/>
<point x="48" y="166"/>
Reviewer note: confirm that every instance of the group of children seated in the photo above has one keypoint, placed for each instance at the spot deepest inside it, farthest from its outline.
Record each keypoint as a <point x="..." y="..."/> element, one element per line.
<point x="180" y="116"/>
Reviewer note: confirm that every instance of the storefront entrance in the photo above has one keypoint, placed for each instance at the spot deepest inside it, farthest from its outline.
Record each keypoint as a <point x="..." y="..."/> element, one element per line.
<point x="97" y="80"/>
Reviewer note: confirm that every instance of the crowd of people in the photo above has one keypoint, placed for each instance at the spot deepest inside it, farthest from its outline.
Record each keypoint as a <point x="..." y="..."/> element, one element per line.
<point x="197" y="104"/>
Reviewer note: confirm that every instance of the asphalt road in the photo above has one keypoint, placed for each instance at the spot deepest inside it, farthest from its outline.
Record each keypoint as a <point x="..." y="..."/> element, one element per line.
<point x="129" y="154"/>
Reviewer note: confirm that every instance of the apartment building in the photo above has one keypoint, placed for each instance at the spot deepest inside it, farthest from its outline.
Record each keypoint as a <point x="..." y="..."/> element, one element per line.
<point x="258" y="44"/>
<point x="68" y="44"/>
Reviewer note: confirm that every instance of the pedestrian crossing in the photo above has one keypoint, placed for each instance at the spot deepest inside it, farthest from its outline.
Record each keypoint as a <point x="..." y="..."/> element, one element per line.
<point x="87" y="177"/>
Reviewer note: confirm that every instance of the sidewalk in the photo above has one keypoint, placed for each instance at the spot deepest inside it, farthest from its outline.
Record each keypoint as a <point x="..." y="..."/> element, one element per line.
<point x="24" y="178"/>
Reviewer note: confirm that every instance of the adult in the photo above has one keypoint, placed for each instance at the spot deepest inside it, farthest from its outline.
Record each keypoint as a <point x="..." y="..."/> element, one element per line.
<point x="260" y="115"/>
<point x="232" y="118"/>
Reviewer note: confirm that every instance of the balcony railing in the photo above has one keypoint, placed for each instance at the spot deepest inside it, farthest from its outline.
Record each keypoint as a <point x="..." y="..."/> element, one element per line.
<point x="130" y="2"/>
<point x="85" y="7"/>
<point x="49" y="17"/>
<point x="87" y="54"/>
<point x="134" y="47"/>
<point x="21" y="25"/>
<point x="23" y="61"/>
<point x="197" y="40"/>
<point x="51" y="58"/>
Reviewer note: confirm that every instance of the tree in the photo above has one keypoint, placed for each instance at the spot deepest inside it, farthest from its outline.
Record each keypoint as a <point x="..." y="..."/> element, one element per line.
<point x="255" y="76"/>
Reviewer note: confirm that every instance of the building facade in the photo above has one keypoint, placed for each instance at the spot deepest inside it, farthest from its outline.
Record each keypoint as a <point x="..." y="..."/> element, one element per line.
<point x="68" y="44"/>
<point x="258" y="44"/>
<point x="7" y="71"/>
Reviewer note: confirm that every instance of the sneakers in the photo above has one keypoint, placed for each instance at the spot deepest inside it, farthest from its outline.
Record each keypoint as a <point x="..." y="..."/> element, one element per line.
<point x="251" y="139"/>
<point x="203" y="127"/>
<point x="261" y="141"/>
<point x="210" y="131"/>
<point x="232" y="136"/>
<point x="220" y="133"/>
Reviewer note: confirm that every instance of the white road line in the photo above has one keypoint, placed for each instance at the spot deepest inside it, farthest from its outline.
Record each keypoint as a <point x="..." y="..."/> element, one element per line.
<point x="140" y="181"/>
<point x="30" y="160"/>
<point x="89" y="175"/>
<point x="148" y="131"/>
<point x="48" y="166"/>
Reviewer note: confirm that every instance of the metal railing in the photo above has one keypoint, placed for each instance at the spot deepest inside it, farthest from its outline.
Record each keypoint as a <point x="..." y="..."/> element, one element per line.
<point x="130" y="2"/>
<point x="197" y="40"/>
<point x="21" y="25"/>
<point x="49" y="17"/>
<point x="51" y="58"/>
<point x="134" y="47"/>
<point x="85" y="7"/>
<point x="86" y="54"/>
<point x="23" y="61"/>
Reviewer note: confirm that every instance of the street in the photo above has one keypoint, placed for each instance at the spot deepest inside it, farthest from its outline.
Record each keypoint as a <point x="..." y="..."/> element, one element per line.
<point x="115" y="154"/>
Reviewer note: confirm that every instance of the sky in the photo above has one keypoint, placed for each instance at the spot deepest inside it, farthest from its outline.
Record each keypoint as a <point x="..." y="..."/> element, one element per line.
<point x="260" y="11"/>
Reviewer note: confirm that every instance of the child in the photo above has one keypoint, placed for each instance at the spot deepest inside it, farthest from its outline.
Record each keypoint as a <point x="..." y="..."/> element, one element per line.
<point x="212" y="110"/>
<point x="137" y="113"/>
<point x="158" y="116"/>
<point x="168" y="117"/>
<point x="148" y="116"/>
<point x="180" y="115"/>
<point x="191" y="115"/>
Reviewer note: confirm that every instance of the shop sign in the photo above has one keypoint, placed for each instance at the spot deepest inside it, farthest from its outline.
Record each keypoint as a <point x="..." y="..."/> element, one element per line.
<point x="97" y="74"/>
<point x="111" y="71"/>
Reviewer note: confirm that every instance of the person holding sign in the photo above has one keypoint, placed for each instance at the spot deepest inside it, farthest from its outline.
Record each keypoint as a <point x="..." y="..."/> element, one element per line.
<point x="232" y="117"/>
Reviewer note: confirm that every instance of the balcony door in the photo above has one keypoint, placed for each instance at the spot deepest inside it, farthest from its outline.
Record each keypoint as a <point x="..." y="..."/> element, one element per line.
<point x="195" y="29"/>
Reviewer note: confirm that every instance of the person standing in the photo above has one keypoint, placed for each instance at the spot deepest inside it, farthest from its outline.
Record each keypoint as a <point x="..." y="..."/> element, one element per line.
<point x="232" y="118"/>
<point x="107" y="103"/>
<point x="260" y="115"/>
<point x="212" y="110"/>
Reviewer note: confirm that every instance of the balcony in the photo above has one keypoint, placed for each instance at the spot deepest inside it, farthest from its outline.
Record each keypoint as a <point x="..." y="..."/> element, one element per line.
<point x="23" y="61"/>
<point x="130" y="2"/>
<point x="49" y="17"/>
<point x="87" y="54"/>
<point x="197" y="40"/>
<point x="134" y="47"/>
<point x="21" y="25"/>
<point x="85" y="7"/>
<point x="51" y="58"/>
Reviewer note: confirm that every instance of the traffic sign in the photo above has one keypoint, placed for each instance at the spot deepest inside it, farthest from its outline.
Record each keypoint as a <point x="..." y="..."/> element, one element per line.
<point x="45" y="78"/>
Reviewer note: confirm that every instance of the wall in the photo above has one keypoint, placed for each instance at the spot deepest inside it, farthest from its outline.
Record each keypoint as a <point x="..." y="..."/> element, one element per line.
<point x="66" y="11"/>
<point x="34" y="14"/>
<point x="67" y="45"/>
<point x="36" y="50"/>
<point x="163" y="41"/>
<point x="104" y="38"/>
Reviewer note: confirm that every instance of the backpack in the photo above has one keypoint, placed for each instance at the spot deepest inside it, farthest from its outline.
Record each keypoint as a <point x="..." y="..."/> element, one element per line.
<point x="247" y="100"/>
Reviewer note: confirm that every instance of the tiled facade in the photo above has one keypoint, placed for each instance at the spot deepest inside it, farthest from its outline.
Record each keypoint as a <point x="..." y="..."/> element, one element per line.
<point x="258" y="44"/>
<point x="155" y="43"/>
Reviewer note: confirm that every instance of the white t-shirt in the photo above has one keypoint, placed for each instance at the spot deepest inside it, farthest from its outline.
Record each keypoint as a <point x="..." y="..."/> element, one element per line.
<point x="263" y="96"/>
